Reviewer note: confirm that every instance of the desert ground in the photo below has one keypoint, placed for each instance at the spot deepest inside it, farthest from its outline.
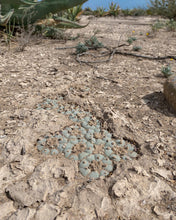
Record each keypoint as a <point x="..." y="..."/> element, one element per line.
<point x="125" y="95"/>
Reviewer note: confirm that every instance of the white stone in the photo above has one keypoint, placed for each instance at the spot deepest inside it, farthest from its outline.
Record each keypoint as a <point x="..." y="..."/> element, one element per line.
<point x="6" y="209"/>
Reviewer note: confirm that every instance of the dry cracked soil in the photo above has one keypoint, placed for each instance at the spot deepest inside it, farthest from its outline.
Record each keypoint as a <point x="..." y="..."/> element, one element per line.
<point x="125" y="94"/>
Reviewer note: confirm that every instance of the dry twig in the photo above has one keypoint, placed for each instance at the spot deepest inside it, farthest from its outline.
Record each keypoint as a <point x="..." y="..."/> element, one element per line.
<point x="110" y="53"/>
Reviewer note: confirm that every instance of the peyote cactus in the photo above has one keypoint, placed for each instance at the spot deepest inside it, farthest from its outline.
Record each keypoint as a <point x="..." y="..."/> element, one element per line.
<point x="80" y="141"/>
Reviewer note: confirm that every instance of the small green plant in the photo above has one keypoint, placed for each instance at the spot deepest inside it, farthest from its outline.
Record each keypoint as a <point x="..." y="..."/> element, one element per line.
<point x="114" y="9"/>
<point x="93" y="43"/>
<point x="88" y="11"/>
<point x="137" y="48"/>
<point x="81" y="48"/>
<point x="166" y="70"/>
<point x="72" y="14"/>
<point x="100" y="12"/>
<point x="131" y="39"/>
<point x="157" y="25"/>
<point x="53" y="33"/>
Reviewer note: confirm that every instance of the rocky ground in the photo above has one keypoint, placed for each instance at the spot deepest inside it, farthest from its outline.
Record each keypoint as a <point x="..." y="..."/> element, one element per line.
<point x="125" y="95"/>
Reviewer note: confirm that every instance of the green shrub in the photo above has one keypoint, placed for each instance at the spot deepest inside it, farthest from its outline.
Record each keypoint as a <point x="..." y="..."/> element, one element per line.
<point x="88" y="11"/>
<point x="93" y="43"/>
<point x="126" y="12"/>
<point x="134" y="12"/>
<point x="171" y="25"/>
<point x="166" y="8"/>
<point x="50" y="32"/>
<point x="157" y="25"/>
<point x="81" y="48"/>
<point x="138" y="12"/>
<point x="100" y="12"/>
<point x="114" y="9"/>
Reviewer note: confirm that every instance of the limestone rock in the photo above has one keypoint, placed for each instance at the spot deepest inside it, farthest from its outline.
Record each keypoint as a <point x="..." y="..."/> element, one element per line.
<point x="93" y="201"/>
<point x="120" y="188"/>
<point x="25" y="213"/>
<point x="46" y="212"/>
<point x="6" y="209"/>
<point x="47" y="178"/>
<point x="6" y="177"/>
<point x="21" y="194"/>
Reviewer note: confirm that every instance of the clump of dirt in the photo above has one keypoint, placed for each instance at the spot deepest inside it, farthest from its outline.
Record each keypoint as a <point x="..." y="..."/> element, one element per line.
<point x="124" y="94"/>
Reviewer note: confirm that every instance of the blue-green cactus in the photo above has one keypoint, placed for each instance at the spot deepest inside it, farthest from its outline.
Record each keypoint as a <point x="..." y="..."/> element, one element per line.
<point x="54" y="152"/>
<point x="94" y="175"/>
<point x="109" y="167"/>
<point x="104" y="173"/>
<point x="80" y="142"/>
<point x="84" y="171"/>
<point x="84" y="163"/>
<point x="40" y="147"/>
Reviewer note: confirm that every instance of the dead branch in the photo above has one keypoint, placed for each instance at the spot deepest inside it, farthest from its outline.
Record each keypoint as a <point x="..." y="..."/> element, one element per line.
<point x="110" y="53"/>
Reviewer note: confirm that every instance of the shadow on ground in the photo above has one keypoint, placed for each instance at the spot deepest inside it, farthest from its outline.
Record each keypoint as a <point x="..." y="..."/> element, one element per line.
<point x="157" y="102"/>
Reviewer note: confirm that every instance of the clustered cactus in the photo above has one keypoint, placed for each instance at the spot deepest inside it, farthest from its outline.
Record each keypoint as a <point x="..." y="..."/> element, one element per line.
<point x="86" y="142"/>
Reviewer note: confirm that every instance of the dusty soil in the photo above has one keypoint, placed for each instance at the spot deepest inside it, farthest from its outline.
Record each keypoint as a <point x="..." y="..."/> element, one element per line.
<point x="125" y="94"/>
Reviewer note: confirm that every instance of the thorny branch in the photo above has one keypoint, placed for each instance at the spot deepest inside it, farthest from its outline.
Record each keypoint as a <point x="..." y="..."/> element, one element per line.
<point x="110" y="53"/>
